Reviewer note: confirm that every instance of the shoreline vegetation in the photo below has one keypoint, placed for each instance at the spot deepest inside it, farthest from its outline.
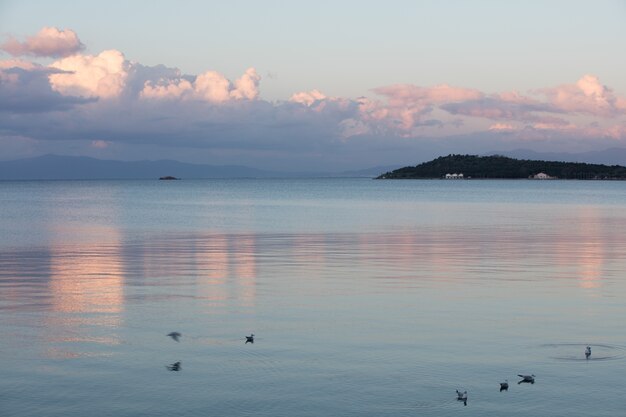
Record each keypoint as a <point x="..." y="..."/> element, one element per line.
<point x="502" y="167"/>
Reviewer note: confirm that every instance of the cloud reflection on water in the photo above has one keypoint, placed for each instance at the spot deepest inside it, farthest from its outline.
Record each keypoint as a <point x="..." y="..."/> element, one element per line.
<point x="89" y="286"/>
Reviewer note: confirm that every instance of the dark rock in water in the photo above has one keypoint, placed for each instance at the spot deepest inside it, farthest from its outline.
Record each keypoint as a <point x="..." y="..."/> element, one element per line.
<point x="169" y="177"/>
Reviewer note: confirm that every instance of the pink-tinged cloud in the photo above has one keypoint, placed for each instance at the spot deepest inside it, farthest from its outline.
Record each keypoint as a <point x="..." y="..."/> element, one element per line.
<point x="553" y="126"/>
<point x="100" y="144"/>
<point x="616" y="132"/>
<point x="406" y="106"/>
<point x="308" y="98"/>
<point x="103" y="75"/>
<point x="210" y="86"/>
<point x="502" y="127"/>
<point x="406" y="94"/>
<point x="171" y="89"/>
<point x="131" y="104"/>
<point x="49" y="42"/>
<point x="505" y="106"/>
<point x="246" y="87"/>
<point x="587" y="96"/>
<point x="18" y="63"/>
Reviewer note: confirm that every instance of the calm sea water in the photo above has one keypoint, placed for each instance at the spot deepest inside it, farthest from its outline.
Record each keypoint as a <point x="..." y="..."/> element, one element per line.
<point x="367" y="298"/>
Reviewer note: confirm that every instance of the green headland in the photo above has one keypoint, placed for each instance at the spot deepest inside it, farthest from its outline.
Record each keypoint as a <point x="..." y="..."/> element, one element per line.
<point x="501" y="167"/>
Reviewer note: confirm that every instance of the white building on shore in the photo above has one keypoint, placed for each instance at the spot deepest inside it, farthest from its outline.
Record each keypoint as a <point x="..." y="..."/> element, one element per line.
<point x="542" y="176"/>
<point x="454" y="176"/>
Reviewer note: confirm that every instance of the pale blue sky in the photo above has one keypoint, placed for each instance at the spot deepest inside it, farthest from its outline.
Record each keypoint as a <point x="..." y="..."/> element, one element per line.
<point x="345" y="48"/>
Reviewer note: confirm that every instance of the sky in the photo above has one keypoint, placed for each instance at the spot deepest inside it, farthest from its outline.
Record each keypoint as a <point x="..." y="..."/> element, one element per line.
<point x="295" y="85"/>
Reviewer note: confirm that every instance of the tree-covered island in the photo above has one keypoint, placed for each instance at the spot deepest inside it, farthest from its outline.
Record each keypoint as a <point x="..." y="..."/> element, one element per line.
<point x="501" y="167"/>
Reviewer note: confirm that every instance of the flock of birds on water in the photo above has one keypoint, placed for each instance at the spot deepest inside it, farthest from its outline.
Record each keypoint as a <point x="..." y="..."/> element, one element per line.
<point x="504" y="386"/>
<point x="460" y="396"/>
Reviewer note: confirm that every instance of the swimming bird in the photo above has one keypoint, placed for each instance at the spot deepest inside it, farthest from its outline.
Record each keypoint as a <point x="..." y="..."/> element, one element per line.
<point x="588" y="352"/>
<point x="504" y="386"/>
<point x="173" y="367"/>
<point x="461" y="396"/>
<point x="249" y="339"/>
<point x="527" y="378"/>
<point x="175" y="336"/>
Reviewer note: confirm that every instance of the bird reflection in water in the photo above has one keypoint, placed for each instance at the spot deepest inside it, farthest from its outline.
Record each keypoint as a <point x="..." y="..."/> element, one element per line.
<point x="174" y="367"/>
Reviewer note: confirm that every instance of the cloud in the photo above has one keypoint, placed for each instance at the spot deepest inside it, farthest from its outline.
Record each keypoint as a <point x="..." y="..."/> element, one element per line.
<point x="405" y="94"/>
<point x="405" y="107"/>
<point x="170" y="89"/>
<point x="100" y="144"/>
<point x="25" y="88"/>
<point x="246" y="87"/>
<point x="586" y="96"/>
<point x="105" y="101"/>
<point x="19" y="63"/>
<point x="308" y="98"/>
<point x="404" y="110"/>
<point x="209" y="86"/>
<point x="502" y="127"/>
<point x="103" y="75"/>
<point x="48" y="42"/>
<point x="506" y="106"/>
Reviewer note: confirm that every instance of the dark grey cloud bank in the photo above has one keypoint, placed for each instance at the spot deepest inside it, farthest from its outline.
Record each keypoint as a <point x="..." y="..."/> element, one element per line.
<point x="30" y="92"/>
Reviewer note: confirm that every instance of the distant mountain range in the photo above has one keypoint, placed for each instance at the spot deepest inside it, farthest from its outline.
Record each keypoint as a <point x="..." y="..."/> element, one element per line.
<point x="55" y="167"/>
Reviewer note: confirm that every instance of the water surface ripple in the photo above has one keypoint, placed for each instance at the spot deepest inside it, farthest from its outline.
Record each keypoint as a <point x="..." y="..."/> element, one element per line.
<point x="366" y="297"/>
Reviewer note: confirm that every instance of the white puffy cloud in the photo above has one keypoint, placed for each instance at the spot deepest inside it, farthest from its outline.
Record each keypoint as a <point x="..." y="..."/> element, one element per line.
<point x="48" y="42"/>
<point x="247" y="86"/>
<point x="103" y="75"/>
<point x="308" y="98"/>
<point x="587" y="96"/>
<point x="172" y="89"/>
<point x="209" y="86"/>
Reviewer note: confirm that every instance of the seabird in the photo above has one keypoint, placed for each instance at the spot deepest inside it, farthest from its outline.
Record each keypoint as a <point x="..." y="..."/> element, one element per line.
<point x="175" y="336"/>
<point x="504" y="386"/>
<point x="249" y="339"/>
<point x="173" y="367"/>
<point x="527" y="378"/>
<point x="461" y="396"/>
<point x="588" y="352"/>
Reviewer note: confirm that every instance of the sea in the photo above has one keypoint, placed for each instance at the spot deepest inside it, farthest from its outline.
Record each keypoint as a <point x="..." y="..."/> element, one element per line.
<point x="365" y="297"/>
